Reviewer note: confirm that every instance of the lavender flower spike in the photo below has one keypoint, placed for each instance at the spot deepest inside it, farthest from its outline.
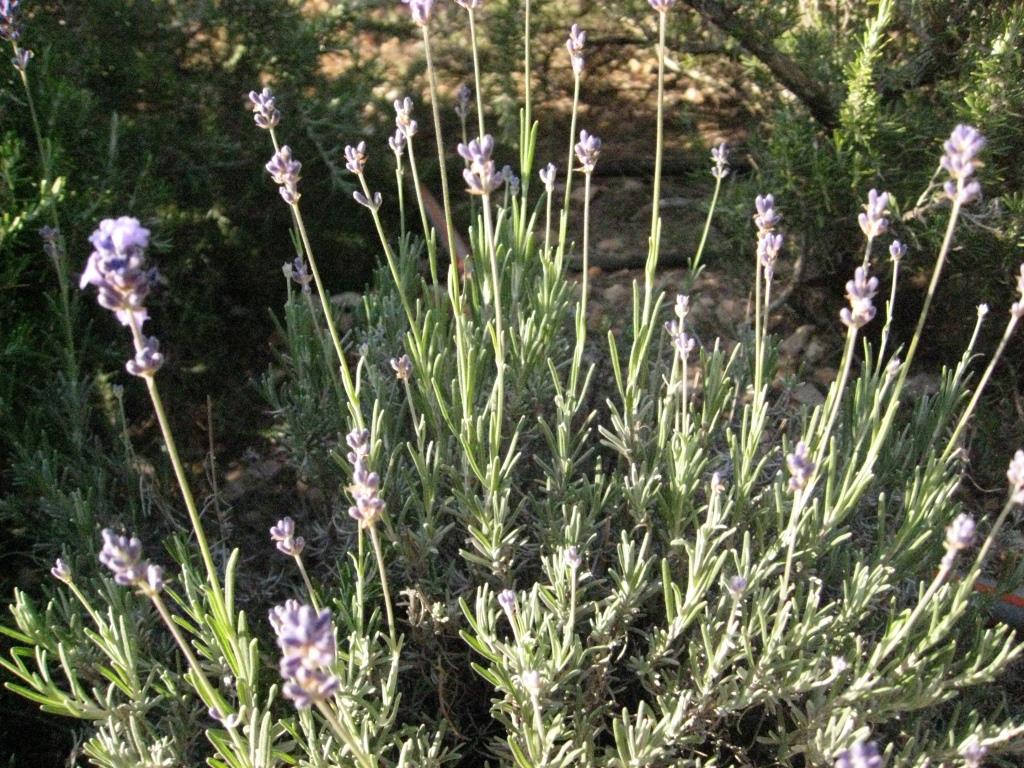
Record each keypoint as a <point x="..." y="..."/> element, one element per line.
<point x="397" y="143"/>
<point x="148" y="359"/>
<point x="308" y="651"/>
<point x="872" y="221"/>
<point x="766" y="217"/>
<point x="720" y="155"/>
<point x="507" y="601"/>
<point x="463" y="100"/>
<point x="403" y="119"/>
<point x="575" y="44"/>
<point x="287" y="542"/>
<point x="960" y="160"/>
<point x="860" y="291"/>
<point x="359" y="441"/>
<point x="402" y="366"/>
<point x="421" y="11"/>
<point x="117" y="267"/>
<point x="61" y="571"/>
<point x="480" y="175"/>
<point x="973" y="753"/>
<point x="10" y="24"/>
<point x="897" y="250"/>
<point x="366" y="202"/>
<point x="587" y="151"/>
<point x="264" y="107"/>
<point x="298" y="272"/>
<point x="123" y="556"/>
<point x="662" y="6"/>
<point x="861" y="755"/>
<point x="21" y="58"/>
<point x="960" y="533"/>
<point x="800" y="466"/>
<point x="1015" y="474"/>
<point x="355" y="158"/>
<point x="573" y="558"/>
<point x="768" y="246"/>
<point x="547" y="176"/>
<point x="285" y="170"/>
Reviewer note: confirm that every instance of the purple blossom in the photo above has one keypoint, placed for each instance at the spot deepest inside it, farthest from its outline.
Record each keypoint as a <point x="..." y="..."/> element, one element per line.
<point x="531" y="681"/>
<point x="572" y="558"/>
<point x="547" y="176"/>
<point x="264" y="107"/>
<point x="402" y="366"/>
<point x="960" y="160"/>
<point x="421" y="11"/>
<point x="861" y="755"/>
<point x="228" y="721"/>
<point x="960" y="533"/>
<point x="684" y="343"/>
<point x="403" y="118"/>
<point x="123" y="556"/>
<point x="397" y="143"/>
<point x="463" y="99"/>
<point x="575" y="44"/>
<point x="148" y="358"/>
<point x="61" y="571"/>
<point x="10" y="23"/>
<point x="737" y="586"/>
<point x="287" y="542"/>
<point x="285" y="170"/>
<point x="766" y="217"/>
<point x="800" y="466"/>
<point x="366" y="202"/>
<point x="662" y="6"/>
<point x="359" y="441"/>
<point x="720" y="155"/>
<point x="508" y="602"/>
<point x="973" y="753"/>
<point x="308" y="651"/>
<point x="588" y="149"/>
<point x="355" y="158"/>
<point x="1015" y="474"/>
<point x="897" y="250"/>
<point x="511" y="180"/>
<point x="21" y="58"/>
<point x="860" y="292"/>
<point x="768" y="246"/>
<point x="872" y="221"/>
<point x="480" y="176"/>
<point x="117" y="267"/>
<point x="298" y="272"/>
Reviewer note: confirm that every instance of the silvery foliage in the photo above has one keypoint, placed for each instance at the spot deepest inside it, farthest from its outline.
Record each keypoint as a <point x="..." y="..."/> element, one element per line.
<point x="642" y="562"/>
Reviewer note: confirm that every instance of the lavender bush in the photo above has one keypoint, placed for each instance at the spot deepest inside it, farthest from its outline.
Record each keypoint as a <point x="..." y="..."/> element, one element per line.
<point x="533" y="564"/>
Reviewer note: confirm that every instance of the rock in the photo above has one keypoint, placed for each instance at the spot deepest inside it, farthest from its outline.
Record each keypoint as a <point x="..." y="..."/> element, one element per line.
<point x="825" y="376"/>
<point x="617" y="295"/>
<point x="814" y="351"/>
<point x="612" y="244"/>
<point x="807" y="394"/>
<point x="797" y="341"/>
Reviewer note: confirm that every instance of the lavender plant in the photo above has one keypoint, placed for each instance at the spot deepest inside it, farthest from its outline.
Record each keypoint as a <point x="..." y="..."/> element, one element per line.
<point x="665" y="568"/>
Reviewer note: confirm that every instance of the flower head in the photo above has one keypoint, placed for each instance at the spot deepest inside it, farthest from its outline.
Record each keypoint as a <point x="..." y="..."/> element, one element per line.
<point x="264" y="108"/>
<point x="547" y="177"/>
<point x="21" y="58"/>
<point x="575" y="44"/>
<point x="123" y="556"/>
<point x="860" y="292"/>
<point x="1015" y="474"/>
<point x="768" y="246"/>
<point x="355" y="158"/>
<point x="720" y="156"/>
<point x="587" y="151"/>
<point x="507" y="601"/>
<point x="737" y="586"/>
<point x="863" y="754"/>
<point x="283" y="532"/>
<point x="973" y="752"/>
<point x="61" y="571"/>
<point x="662" y="6"/>
<point x="960" y="533"/>
<point x="359" y="441"/>
<point x="117" y="267"/>
<point x="463" y="100"/>
<point x="298" y="272"/>
<point x="421" y="11"/>
<point x="572" y="558"/>
<point x="10" y="23"/>
<point x="285" y="170"/>
<point x="403" y="118"/>
<point x="960" y="160"/>
<point x="872" y="221"/>
<point x="148" y="358"/>
<point x="397" y="143"/>
<point x="308" y="651"/>
<point x="402" y="366"/>
<point x="766" y="217"/>
<point x="479" y="173"/>
<point x="372" y="203"/>
<point x="800" y="466"/>
<point x="897" y="250"/>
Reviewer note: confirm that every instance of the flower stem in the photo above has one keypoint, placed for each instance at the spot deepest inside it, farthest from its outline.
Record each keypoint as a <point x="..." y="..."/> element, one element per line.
<point x="375" y="540"/>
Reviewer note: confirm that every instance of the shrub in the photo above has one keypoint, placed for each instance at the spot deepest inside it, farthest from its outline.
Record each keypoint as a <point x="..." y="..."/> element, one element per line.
<point x="627" y="557"/>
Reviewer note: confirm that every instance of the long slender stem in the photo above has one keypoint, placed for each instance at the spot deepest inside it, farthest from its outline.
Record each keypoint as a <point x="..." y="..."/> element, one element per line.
<point x="443" y="168"/>
<point x="476" y="74"/>
<point x="375" y="540"/>
<point x="564" y="218"/>
<point x="499" y="334"/>
<point x="695" y="265"/>
<point x="581" y="321"/>
<point x="345" y="735"/>
<point x="652" y="257"/>
<point x="309" y="585"/>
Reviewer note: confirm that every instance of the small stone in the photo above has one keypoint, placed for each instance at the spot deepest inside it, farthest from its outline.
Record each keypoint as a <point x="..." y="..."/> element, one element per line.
<point x="814" y="351"/>
<point x="808" y="394"/>
<point x="825" y="376"/>
<point x="617" y="295"/>
<point x="611" y="244"/>
<point x="797" y="341"/>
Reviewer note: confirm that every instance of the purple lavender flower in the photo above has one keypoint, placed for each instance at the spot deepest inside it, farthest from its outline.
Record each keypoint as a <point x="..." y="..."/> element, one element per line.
<point x="285" y="170"/>
<point x="1015" y="474"/>
<point x="737" y="586"/>
<point x="61" y="571"/>
<point x="367" y="510"/>
<point x="148" y="358"/>
<point x="397" y="143"/>
<point x="508" y="602"/>
<point x="123" y="556"/>
<point x="587" y="151"/>
<point x="298" y="272"/>
<point x="973" y="753"/>
<point x="21" y="58"/>
<point x="403" y="118"/>
<point x="227" y="721"/>
<point x="153" y="581"/>
<point x="10" y="23"/>
<point x="572" y="557"/>
<point x="308" y="651"/>
<point x="800" y="466"/>
<point x="117" y="267"/>
<point x="547" y="176"/>
<point x="766" y="217"/>
<point x="264" y="107"/>
<point x="480" y="176"/>
<point x="860" y="292"/>
<point x="355" y="158"/>
<point x="421" y="11"/>
<point x="402" y="366"/>
<point x="872" y="221"/>
<point x="960" y="533"/>
<point x="720" y="155"/>
<point x="359" y="441"/>
<point x="861" y="755"/>
<point x="366" y="202"/>
<point x="768" y="246"/>
<point x="662" y="6"/>
<point x="960" y="160"/>
<point x="684" y="343"/>
<point x="287" y="542"/>
<point x="463" y="100"/>
<point x="897" y="250"/>
<point x="575" y="44"/>
<point x="510" y="179"/>
<point x="531" y="681"/>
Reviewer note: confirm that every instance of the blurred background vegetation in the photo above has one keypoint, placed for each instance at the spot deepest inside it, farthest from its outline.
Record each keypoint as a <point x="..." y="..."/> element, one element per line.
<point x="143" y="103"/>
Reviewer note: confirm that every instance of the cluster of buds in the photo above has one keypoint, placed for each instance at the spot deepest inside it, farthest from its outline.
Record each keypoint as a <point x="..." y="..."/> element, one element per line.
<point x="402" y="366"/>
<point x="720" y="156"/>
<point x="872" y="220"/>
<point x="897" y="250"/>
<point x="479" y="173"/>
<point x="547" y="177"/>
<point x="283" y="533"/>
<point x="117" y="267"/>
<point x="421" y="11"/>
<point x="588" y="149"/>
<point x="769" y="242"/>
<point x="973" y="753"/>
<point x="509" y="602"/>
<point x="800" y="466"/>
<point x="148" y="358"/>
<point x="21" y="58"/>
<point x="575" y="44"/>
<point x="662" y="6"/>
<point x="684" y="343"/>
<point x="959" y="536"/>
<point x="10" y="23"/>
<point x="737" y="586"/>
<point x="404" y="123"/>
<point x="511" y="180"/>
<point x="860" y="292"/>
<point x="297" y="272"/>
<point x="863" y="754"/>
<point x="365" y="488"/>
<point x="463" y="100"/>
<point x="285" y="170"/>
<point x="123" y="556"/>
<point x="60" y="571"/>
<point x="264" y="108"/>
<point x="960" y="160"/>
<point x="308" y="651"/>
<point x="355" y="158"/>
<point x="573" y="559"/>
<point x="1015" y="475"/>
